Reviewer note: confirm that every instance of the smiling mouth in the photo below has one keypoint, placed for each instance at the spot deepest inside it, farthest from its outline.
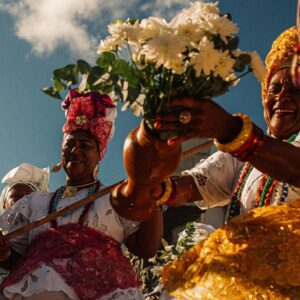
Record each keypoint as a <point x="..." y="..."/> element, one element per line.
<point x="283" y="111"/>
<point x="74" y="161"/>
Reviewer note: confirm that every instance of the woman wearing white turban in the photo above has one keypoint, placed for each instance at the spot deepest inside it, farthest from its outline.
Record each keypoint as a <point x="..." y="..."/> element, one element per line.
<point x="21" y="181"/>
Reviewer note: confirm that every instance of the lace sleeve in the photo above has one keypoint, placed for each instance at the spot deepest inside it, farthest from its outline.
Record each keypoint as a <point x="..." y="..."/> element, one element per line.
<point x="215" y="178"/>
<point x="15" y="217"/>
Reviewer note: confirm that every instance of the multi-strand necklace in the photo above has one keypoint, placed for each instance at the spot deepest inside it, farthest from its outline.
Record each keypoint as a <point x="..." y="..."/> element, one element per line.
<point x="93" y="187"/>
<point x="265" y="191"/>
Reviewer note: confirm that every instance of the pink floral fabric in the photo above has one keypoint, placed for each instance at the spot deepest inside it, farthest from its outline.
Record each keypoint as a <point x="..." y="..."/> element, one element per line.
<point x="89" y="261"/>
<point x="89" y="111"/>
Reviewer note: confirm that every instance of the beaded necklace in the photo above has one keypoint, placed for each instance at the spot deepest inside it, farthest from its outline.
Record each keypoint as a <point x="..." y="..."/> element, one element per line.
<point x="264" y="193"/>
<point x="57" y="196"/>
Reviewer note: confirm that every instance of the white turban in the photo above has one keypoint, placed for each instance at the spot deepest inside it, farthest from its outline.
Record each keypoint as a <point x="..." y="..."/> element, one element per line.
<point x="25" y="173"/>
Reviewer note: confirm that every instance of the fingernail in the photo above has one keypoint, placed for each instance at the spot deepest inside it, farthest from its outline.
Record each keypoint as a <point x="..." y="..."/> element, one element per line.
<point x="157" y="125"/>
<point x="171" y="142"/>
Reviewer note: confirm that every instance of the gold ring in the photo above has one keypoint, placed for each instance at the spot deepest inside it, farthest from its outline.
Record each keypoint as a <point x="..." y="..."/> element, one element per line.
<point x="185" y="117"/>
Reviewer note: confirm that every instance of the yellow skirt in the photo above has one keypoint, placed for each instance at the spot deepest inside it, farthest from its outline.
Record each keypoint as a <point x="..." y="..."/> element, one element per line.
<point x="255" y="256"/>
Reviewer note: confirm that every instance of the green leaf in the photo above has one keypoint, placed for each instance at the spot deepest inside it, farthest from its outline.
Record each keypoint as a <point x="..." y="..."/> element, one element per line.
<point x="58" y="85"/>
<point x="133" y="93"/>
<point x="106" y="59"/>
<point x="241" y="62"/>
<point x="107" y="89"/>
<point x="68" y="73"/>
<point x="95" y="74"/>
<point x="132" y="21"/>
<point x="51" y="92"/>
<point x="121" y="67"/>
<point x="233" y="43"/>
<point x="83" y="66"/>
<point x="116" y="21"/>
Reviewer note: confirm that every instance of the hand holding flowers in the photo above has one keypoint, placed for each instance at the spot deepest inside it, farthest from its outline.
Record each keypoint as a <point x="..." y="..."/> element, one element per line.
<point x="146" y="63"/>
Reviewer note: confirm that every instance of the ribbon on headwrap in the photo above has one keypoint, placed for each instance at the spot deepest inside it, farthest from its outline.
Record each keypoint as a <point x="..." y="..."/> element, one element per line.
<point x="93" y="112"/>
<point x="280" y="55"/>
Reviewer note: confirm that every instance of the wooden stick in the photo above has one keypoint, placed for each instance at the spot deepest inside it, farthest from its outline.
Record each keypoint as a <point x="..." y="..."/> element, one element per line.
<point x="87" y="200"/>
<point x="60" y="212"/>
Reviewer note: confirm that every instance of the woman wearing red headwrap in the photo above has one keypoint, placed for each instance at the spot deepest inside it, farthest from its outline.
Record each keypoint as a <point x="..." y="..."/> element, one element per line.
<point x="77" y="256"/>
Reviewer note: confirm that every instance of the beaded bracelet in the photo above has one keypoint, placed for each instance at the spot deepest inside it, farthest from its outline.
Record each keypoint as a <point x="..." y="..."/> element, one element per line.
<point x="252" y="145"/>
<point x="242" y="137"/>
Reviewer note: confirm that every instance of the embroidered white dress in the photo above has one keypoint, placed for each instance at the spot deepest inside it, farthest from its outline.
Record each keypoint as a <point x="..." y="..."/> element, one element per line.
<point x="217" y="176"/>
<point x="44" y="278"/>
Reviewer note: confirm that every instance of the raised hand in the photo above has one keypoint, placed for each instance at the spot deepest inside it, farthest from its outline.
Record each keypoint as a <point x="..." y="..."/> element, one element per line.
<point x="197" y="118"/>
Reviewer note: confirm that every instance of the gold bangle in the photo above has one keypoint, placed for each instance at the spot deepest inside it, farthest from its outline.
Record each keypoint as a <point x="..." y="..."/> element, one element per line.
<point x="168" y="189"/>
<point x="242" y="137"/>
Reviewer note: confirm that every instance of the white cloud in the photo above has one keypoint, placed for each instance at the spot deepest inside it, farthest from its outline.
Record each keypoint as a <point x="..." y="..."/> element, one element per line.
<point x="49" y="24"/>
<point x="164" y="8"/>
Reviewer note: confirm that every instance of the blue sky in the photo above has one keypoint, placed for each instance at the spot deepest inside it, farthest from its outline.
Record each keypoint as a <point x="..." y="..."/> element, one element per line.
<point x="39" y="36"/>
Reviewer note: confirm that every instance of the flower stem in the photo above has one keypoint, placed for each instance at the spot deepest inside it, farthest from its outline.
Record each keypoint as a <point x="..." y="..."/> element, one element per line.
<point x="130" y="54"/>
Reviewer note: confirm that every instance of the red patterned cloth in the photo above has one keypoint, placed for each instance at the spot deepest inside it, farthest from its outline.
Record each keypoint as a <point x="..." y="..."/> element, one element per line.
<point x="89" y="261"/>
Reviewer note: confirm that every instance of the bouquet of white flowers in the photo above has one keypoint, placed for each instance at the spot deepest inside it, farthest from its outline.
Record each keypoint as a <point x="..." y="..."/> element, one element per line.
<point x="145" y="63"/>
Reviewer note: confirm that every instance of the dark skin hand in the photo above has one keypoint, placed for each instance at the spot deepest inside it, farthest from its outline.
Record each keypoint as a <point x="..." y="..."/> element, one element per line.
<point x="209" y="120"/>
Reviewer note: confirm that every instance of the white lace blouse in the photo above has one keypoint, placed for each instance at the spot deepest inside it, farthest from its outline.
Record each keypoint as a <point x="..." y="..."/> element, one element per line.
<point x="30" y="208"/>
<point x="217" y="176"/>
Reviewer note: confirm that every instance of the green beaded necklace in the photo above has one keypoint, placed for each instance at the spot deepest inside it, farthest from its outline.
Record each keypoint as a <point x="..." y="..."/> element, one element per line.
<point x="267" y="189"/>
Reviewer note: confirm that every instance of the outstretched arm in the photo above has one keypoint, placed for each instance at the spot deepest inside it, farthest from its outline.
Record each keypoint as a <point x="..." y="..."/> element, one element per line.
<point x="275" y="157"/>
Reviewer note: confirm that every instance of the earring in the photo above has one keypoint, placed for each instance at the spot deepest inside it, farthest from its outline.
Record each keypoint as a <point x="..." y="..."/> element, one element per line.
<point x="56" y="168"/>
<point x="95" y="172"/>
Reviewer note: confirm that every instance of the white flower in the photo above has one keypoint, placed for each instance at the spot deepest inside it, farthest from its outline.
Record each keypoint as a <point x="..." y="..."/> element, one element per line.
<point x="219" y="25"/>
<point x="133" y="33"/>
<point x="122" y="31"/>
<point x="211" y="60"/>
<point x="207" y="58"/>
<point x="116" y="29"/>
<point x="165" y="49"/>
<point x="224" y="66"/>
<point x="152" y="27"/>
<point x="138" y="57"/>
<point x="195" y="13"/>
<point x="189" y="32"/>
<point x="205" y="8"/>
<point x="109" y="44"/>
<point x="257" y="66"/>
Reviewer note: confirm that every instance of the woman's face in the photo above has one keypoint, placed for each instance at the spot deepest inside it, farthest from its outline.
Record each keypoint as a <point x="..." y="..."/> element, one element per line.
<point x="80" y="156"/>
<point x="17" y="192"/>
<point x="282" y="105"/>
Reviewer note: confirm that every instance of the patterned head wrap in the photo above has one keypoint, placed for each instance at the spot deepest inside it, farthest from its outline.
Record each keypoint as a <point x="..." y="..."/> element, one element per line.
<point x="25" y="173"/>
<point x="93" y="112"/>
<point x="281" y="54"/>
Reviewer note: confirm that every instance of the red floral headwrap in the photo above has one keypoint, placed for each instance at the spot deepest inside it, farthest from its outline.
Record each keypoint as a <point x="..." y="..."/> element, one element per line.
<point x="90" y="111"/>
